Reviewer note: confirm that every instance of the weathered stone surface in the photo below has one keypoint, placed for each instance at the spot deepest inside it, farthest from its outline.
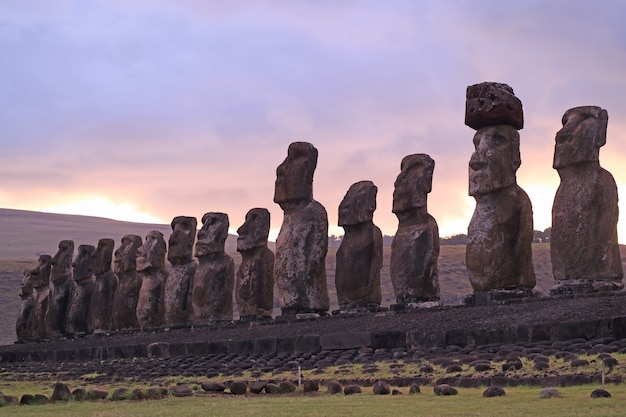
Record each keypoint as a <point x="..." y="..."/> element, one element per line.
<point x="256" y="387"/>
<point x="124" y="303"/>
<point x="210" y="386"/>
<point x="104" y="289"/>
<point x="82" y="290"/>
<point x="214" y="280"/>
<point x="271" y="388"/>
<point x="334" y="387"/>
<point x="414" y="389"/>
<point x="238" y="387"/>
<point x="287" y="387"/>
<point x="26" y="322"/>
<point x="97" y="393"/>
<point x="600" y="393"/>
<point x="121" y="394"/>
<point x="360" y="255"/>
<point x="152" y="273"/>
<point x="254" y="289"/>
<point x="80" y="394"/>
<point x="549" y="393"/>
<point x="584" y="249"/>
<point x="302" y="243"/>
<point x="181" y="391"/>
<point x="415" y="247"/>
<point x="500" y="233"/>
<point x="381" y="388"/>
<point x="40" y="280"/>
<point x="352" y="389"/>
<point x="489" y="104"/>
<point x="493" y="392"/>
<point x="60" y="285"/>
<point x="177" y="304"/>
<point x="445" y="389"/>
<point x="61" y="392"/>
<point x="310" y="386"/>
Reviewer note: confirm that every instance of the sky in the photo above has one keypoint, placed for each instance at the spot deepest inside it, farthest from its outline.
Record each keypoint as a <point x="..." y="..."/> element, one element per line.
<point x="146" y="110"/>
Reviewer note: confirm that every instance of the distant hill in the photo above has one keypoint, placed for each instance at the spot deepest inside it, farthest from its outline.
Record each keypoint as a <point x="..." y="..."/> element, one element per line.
<point x="27" y="234"/>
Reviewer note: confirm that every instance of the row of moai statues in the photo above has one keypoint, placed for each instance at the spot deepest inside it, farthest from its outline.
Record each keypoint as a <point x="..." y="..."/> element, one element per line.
<point x="584" y="248"/>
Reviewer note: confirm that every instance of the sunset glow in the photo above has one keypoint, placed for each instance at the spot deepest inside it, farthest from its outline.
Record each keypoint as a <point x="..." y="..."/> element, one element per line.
<point x="102" y="207"/>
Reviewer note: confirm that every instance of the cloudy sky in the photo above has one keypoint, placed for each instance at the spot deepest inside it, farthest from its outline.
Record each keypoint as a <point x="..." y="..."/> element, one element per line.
<point x="145" y="110"/>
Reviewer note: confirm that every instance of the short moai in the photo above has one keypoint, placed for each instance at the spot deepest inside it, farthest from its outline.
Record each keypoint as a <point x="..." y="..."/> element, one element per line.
<point x="214" y="280"/>
<point x="500" y="233"/>
<point x="40" y="280"/>
<point x="415" y="246"/>
<point x="124" y="304"/>
<point x="25" y="324"/>
<point x="82" y="290"/>
<point x="152" y="274"/>
<point x="60" y="287"/>
<point x="583" y="244"/>
<point x="302" y="243"/>
<point x="104" y="289"/>
<point x="359" y="258"/>
<point x="254" y="287"/>
<point x="178" y="284"/>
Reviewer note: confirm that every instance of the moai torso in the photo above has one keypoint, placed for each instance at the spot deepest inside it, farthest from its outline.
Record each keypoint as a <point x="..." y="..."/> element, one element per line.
<point x="124" y="304"/>
<point x="104" y="289"/>
<point x="60" y="286"/>
<point x="152" y="273"/>
<point x="82" y="290"/>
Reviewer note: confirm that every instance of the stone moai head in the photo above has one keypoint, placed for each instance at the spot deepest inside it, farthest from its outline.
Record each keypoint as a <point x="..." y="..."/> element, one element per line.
<point x="496" y="114"/>
<point x="40" y="275"/>
<point x="82" y="266"/>
<point x="413" y="183"/>
<point x="126" y="254"/>
<point x="582" y="135"/>
<point x="103" y="256"/>
<point x="358" y="204"/>
<point x="255" y="230"/>
<point x="62" y="260"/>
<point x="180" y="246"/>
<point x="294" y="177"/>
<point x="152" y="253"/>
<point x="212" y="236"/>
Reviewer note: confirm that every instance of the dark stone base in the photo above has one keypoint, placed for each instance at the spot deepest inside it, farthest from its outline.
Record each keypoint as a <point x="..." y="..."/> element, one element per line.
<point x="254" y="319"/>
<point x="415" y="304"/>
<point x="584" y="286"/>
<point x="357" y="308"/>
<point x="498" y="296"/>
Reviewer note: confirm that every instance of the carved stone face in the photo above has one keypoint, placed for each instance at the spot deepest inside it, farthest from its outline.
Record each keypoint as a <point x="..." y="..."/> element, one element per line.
<point x="103" y="256"/>
<point x="152" y="253"/>
<point x="180" y="248"/>
<point x="358" y="204"/>
<point x="495" y="160"/>
<point x="255" y="230"/>
<point x="582" y="135"/>
<point x="413" y="183"/>
<point x="62" y="260"/>
<point x="294" y="177"/>
<point x="26" y="286"/>
<point x="212" y="236"/>
<point x="126" y="254"/>
<point x="83" y="264"/>
<point x="40" y="276"/>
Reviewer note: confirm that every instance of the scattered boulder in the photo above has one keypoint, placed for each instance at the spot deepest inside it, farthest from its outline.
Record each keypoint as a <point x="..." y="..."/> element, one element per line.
<point x="512" y="365"/>
<point x="238" y="387"/>
<point x="8" y="400"/>
<point x="211" y="386"/>
<point x="482" y="366"/>
<point x="271" y="388"/>
<point x="610" y="362"/>
<point x="549" y="393"/>
<point x="454" y="369"/>
<point x="334" y="387"/>
<point x="37" y="399"/>
<point x="414" y="389"/>
<point x="311" y="386"/>
<point x="26" y="399"/>
<point x="352" y="389"/>
<point x="541" y="366"/>
<point x="120" y="394"/>
<point x="257" y="387"/>
<point x="97" y="393"/>
<point x="137" y="394"/>
<point x="494" y="392"/>
<point x="381" y="388"/>
<point x="426" y="369"/>
<point x="79" y="394"/>
<point x="600" y="393"/>
<point x="156" y="393"/>
<point x="396" y="392"/>
<point x="445" y="389"/>
<point x="579" y="362"/>
<point x="61" y="392"/>
<point x="287" y="387"/>
<point x="181" y="391"/>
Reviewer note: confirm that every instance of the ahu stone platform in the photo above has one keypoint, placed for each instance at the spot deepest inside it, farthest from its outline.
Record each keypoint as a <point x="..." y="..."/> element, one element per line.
<point x="548" y="319"/>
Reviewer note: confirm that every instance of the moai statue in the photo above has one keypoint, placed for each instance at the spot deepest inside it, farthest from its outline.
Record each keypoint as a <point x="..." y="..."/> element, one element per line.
<point x="254" y="288"/>
<point x="152" y="273"/>
<point x="214" y="281"/>
<point x="124" y="310"/>
<point x="25" y="325"/>
<point x="498" y="252"/>
<point x="60" y="286"/>
<point x="40" y="280"/>
<point x="104" y="290"/>
<point x="82" y="290"/>
<point x="302" y="243"/>
<point x="415" y="247"/>
<point x="178" y="284"/>
<point x="583" y="245"/>
<point x="360" y="255"/>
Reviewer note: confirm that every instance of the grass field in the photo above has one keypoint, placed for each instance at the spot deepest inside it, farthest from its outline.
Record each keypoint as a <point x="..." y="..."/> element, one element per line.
<point x="519" y="401"/>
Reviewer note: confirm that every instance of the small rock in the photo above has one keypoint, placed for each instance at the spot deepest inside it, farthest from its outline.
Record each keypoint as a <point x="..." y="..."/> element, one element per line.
<point x="549" y="393"/>
<point x="238" y="387"/>
<point x="211" y="386"/>
<point x="352" y="389"/>
<point x="181" y="391"/>
<point x="287" y="387"/>
<point x="579" y="362"/>
<point x="600" y="393"/>
<point x="311" y="386"/>
<point x="271" y="388"/>
<point x="6" y="400"/>
<point x="482" y="366"/>
<point x="426" y="369"/>
<point x="396" y="392"/>
<point x="414" y="389"/>
<point x="119" y="394"/>
<point x="257" y="387"/>
<point x="138" y="394"/>
<point x="445" y="389"/>
<point x="97" y="393"/>
<point x="26" y="399"/>
<point x="541" y="366"/>
<point x="79" y="394"/>
<point x="156" y="392"/>
<point x="493" y="392"/>
<point x="61" y="392"/>
<point x="334" y="387"/>
<point x="381" y="388"/>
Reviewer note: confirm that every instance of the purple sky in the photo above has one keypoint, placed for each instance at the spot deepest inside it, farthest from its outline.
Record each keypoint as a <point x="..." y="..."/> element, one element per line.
<point x="165" y="108"/>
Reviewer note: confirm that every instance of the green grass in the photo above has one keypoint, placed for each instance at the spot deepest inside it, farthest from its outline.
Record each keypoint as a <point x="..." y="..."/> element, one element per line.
<point x="519" y="401"/>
